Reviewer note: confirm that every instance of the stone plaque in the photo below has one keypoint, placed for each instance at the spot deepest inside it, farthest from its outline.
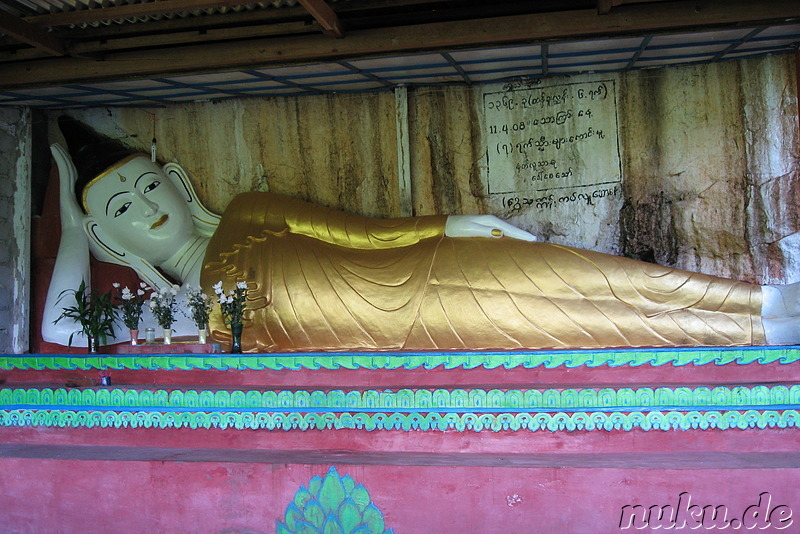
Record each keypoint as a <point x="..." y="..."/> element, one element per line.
<point x="553" y="160"/>
<point x="559" y="137"/>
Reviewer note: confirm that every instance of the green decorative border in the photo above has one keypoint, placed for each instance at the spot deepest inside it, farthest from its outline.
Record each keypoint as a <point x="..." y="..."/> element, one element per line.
<point x="412" y="360"/>
<point x="441" y="409"/>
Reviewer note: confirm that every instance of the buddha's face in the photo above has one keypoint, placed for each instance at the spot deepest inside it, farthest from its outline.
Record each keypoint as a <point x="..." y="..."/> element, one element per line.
<point x="138" y="206"/>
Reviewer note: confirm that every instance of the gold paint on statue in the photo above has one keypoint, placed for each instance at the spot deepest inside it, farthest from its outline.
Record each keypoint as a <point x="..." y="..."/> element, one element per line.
<point x="326" y="280"/>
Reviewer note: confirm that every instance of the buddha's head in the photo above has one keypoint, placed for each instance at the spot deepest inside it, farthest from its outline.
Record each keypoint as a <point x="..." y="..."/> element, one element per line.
<point x="130" y="197"/>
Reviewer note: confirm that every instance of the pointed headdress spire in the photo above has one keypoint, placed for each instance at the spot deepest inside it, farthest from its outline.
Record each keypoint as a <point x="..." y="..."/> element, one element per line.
<point x="91" y="152"/>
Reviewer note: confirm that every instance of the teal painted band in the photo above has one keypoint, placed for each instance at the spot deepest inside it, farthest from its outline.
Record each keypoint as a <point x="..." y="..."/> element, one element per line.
<point x="412" y="360"/>
<point x="553" y="422"/>
<point x="571" y="409"/>
<point x="408" y="399"/>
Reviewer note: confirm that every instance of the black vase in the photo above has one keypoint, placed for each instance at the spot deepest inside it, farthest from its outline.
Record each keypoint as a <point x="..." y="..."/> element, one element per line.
<point x="236" y="338"/>
<point x="93" y="346"/>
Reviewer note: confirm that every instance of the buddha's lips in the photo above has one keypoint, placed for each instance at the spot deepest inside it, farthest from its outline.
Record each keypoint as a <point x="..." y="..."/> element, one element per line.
<point x="160" y="222"/>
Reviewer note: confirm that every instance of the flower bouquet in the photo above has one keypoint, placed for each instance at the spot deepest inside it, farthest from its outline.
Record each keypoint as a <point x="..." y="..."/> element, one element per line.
<point x="232" y="306"/>
<point x="163" y="306"/>
<point x="131" y="304"/>
<point x="199" y="308"/>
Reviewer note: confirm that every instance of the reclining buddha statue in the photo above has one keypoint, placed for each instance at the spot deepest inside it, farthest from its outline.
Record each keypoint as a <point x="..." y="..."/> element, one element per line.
<point x="321" y="279"/>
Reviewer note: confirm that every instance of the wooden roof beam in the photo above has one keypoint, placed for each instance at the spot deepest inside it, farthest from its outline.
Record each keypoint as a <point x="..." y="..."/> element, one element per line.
<point x="18" y="29"/>
<point x="325" y="16"/>
<point x="604" y="6"/>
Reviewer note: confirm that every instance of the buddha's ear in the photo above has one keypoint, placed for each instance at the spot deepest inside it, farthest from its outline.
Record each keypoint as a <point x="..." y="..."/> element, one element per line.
<point x="205" y="221"/>
<point x="106" y="249"/>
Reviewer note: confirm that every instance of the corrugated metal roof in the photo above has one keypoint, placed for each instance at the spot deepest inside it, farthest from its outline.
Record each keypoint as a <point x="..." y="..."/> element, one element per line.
<point x="28" y="8"/>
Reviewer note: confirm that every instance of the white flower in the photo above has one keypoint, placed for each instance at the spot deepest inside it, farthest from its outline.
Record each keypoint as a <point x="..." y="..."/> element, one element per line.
<point x="139" y="292"/>
<point x="116" y="285"/>
<point x="217" y="287"/>
<point x="127" y="296"/>
<point x="241" y="285"/>
<point x="203" y="296"/>
<point x="126" y="291"/>
<point x="153" y="296"/>
<point x="143" y="285"/>
<point x="152" y="304"/>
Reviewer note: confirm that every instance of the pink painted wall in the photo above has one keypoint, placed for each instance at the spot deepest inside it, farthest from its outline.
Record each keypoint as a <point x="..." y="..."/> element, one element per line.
<point x="65" y="496"/>
<point x="468" y="487"/>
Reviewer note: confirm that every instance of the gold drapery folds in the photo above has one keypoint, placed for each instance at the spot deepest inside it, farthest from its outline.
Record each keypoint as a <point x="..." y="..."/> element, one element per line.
<point x="325" y="280"/>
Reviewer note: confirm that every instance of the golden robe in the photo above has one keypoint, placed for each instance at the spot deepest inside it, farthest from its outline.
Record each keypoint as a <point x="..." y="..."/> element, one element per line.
<point x="321" y="279"/>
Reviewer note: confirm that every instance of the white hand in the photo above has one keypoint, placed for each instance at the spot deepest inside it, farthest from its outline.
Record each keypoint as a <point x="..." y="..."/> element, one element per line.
<point x="483" y="226"/>
<point x="71" y="212"/>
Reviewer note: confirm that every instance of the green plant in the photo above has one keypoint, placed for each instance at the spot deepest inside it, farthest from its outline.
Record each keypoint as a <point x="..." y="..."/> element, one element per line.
<point x="93" y="311"/>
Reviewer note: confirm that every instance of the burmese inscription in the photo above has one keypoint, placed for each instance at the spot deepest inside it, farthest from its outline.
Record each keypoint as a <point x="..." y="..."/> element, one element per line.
<point x="546" y="140"/>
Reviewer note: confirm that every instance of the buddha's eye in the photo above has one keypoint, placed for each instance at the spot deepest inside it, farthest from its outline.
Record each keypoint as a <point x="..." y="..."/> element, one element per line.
<point x="151" y="186"/>
<point x="122" y="209"/>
